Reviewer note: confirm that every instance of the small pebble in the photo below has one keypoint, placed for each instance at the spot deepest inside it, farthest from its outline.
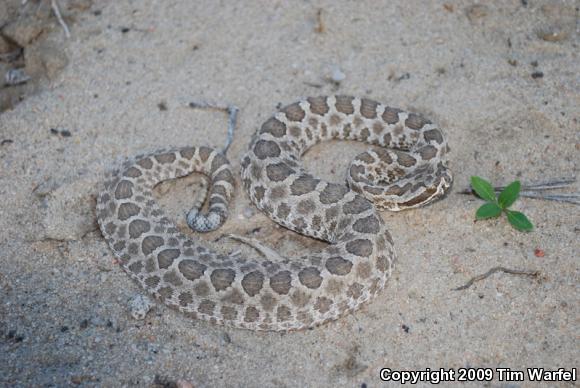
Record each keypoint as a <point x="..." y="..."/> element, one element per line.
<point x="539" y="252"/>
<point x="337" y="75"/>
<point x="537" y="74"/>
<point x="140" y="306"/>
<point x="16" y="77"/>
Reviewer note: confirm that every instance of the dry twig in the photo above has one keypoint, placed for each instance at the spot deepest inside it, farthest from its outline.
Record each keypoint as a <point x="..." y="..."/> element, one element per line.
<point x="320" y="28"/>
<point x="494" y="270"/>
<point x="56" y="11"/>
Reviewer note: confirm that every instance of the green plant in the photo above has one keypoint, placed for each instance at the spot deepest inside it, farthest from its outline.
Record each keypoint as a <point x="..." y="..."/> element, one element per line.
<point x="495" y="206"/>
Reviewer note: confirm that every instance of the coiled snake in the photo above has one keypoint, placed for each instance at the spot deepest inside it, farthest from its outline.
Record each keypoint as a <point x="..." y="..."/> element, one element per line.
<point x="407" y="169"/>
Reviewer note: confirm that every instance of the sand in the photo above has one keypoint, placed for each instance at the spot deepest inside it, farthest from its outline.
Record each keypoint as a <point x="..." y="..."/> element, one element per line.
<point x="501" y="79"/>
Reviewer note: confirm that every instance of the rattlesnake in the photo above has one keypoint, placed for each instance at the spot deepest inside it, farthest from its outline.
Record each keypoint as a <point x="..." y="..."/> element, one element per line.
<point x="293" y="293"/>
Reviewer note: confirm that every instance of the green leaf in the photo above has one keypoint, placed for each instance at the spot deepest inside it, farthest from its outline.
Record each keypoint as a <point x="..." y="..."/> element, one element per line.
<point x="483" y="188"/>
<point x="488" y="210"/>
<point x="509" y="195"/>
<point x="519" y="221"/>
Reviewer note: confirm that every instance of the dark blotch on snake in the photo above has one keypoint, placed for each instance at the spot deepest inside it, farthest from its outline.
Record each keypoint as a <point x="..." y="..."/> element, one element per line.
<point x="266" y="149"/>
<point x="187" y="153"/>
<point x="414" y="121"/>
<point x="391" y="115"/>
<point x="428" y="152"/>
<point x="252" y="283"/>
<point x="152" y="281"/>
<point x="229" y="313"/>
<point x="358" y="205"/>
<point x="310" y="277"/>
<point x="191" y="270"/>
<point x="281" y="282"/>
<point x="204" y="153"/>
<point x="274" y="126"/>
<point x="165" y="293"/>
<point x="252" y="314"/>
<point x="368" y="224"/>
<point x="234" y="297"/>
<point x="368" y="108"/>
<point x="294" y="112"/>
<point x="322" y="304"/>
<point x="338" y="266"/>
<point x="283" y="211"/>
<point x="185" y="298"/>
<point x="332" y="193"/>
<point x="344" y="104"/>
<point x="433" y="135"/>
<point x="150" y="243"/>
<point x="136" y="267"/>
<point x="127" y="210"/>
<point x="222" y="278"/>
<point x="172" y="278"/>
<point x="145" y="163"/>
<point x="360" y="247"/>
<point x="303" y="184"/>
<point x="138" y="227"/>
<point x="283" y="313"/>
<point x="165" y="258"/>
<point x="124" y="189"/>
<point x="318" y="105"/>
<point x="206" y="307"/>
<point x="132" y="172"/>
<point x="405" y="159"/>
<point x="278" y="172"/>
<point x="165" y="158"/>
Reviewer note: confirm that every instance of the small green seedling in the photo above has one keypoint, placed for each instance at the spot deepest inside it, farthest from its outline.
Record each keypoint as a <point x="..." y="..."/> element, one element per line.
<point x="495" y="206"/>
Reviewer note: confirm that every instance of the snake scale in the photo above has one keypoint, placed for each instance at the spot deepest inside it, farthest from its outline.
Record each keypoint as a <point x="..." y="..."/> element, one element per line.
<point x="407" y="168"/>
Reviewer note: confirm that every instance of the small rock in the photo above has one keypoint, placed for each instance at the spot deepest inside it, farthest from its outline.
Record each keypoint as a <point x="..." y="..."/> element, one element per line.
<point x="16" y="77"/>
<point x="140" y="306"/>
<point x="44" y="58"/>
<point x="337" y="75"/>
<point x="24" y="30"/>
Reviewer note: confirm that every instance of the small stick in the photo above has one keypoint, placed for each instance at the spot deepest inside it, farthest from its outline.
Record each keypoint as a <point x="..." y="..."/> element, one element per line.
<point x="56" y="11"/>
<point x="232" y="112"/>
<point x="548" y="185"/>
<point x="320" y="28"/>
<point x="494" y="270"/>
<point x="568" y="198"/>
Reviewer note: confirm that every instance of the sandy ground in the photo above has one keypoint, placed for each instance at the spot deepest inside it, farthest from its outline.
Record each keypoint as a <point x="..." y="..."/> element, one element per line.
<point x="501" y="78"/>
